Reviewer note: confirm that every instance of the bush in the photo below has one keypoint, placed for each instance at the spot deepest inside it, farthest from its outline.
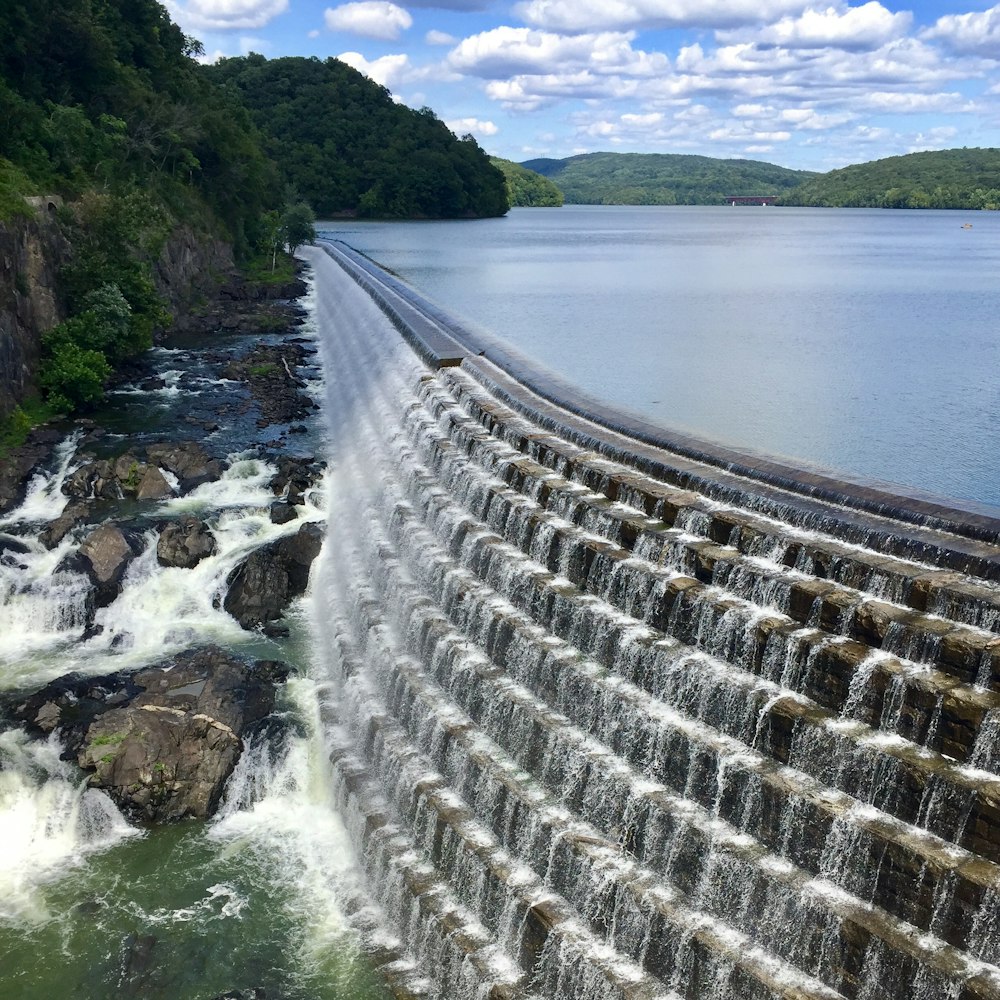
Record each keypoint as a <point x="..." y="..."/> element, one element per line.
<point x="72" y="374"/>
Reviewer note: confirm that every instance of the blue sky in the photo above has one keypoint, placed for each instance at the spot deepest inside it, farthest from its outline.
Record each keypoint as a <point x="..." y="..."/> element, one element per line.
<point x="813" y="85"/>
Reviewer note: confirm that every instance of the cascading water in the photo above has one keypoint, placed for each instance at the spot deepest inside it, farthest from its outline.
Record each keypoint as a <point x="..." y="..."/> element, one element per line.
<point x="602" y="733"/>
<point x="267" y="893"/>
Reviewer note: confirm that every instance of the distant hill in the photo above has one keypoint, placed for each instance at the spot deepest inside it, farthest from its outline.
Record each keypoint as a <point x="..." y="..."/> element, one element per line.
<point x="662" y="178"/>
<point x="526" y="188"/>
<point x="950" y="178"/>
<point x="347" y="147"/>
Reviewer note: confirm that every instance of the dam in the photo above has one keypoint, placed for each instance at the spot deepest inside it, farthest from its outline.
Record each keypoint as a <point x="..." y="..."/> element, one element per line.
<point x="617" y="717"/>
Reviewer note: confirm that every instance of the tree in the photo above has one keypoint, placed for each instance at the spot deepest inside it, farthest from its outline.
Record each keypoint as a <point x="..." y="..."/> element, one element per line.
<point x="297" y="226"/>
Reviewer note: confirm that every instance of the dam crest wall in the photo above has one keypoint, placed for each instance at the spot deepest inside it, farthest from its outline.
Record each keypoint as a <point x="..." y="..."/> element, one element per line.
<point x="623" y="717"/>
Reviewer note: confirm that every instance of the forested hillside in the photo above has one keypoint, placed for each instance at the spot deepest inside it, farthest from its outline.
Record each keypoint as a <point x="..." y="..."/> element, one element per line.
<point x="951" y="178"/>
<point x="102" y="104"/>
<point x="347" y="147"/>
<point x="661" y="178"/>
<point x="526" y="188"/>
<point x="103" y="94"/>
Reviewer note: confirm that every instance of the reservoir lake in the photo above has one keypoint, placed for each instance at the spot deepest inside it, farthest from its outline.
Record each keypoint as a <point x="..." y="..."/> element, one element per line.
<point x="864" y="342"/>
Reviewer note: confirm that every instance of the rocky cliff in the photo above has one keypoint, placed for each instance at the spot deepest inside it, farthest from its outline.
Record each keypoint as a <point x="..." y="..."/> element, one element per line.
<point x="189" y="269"/>
<point x="31" y="252"/>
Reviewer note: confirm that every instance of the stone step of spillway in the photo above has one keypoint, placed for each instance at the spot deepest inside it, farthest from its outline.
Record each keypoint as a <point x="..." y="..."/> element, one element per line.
<point x="873" y="558"/>
<point x="956" y="716"/>
<point x="574" y="857"/>
<point x="924" y="702"/>
<point x="761" y="577"/>
<point x="387" y="559"/>
<point x="649" y="726"/>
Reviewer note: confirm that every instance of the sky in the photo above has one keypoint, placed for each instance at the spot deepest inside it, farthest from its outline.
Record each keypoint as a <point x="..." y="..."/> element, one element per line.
<point x="808" y="85"/>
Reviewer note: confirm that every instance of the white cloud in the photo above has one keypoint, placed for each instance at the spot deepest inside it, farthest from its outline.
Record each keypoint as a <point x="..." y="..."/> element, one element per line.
<point x="434" y="37"/>
<point x="941" y="137"/>
<point x="738" y="134"/>
<point x="211" y="58"/>
<point x="596" y="15"/>
<point x="865" y="27"/>
<point x="224" y="15"/>
<point x="390" y="71"/>
<point x="452" y="4"/>
<point x="969" y="34"/>
<point x="249" y="44"/>
<point x="371" y="18"/>
<point x="314" y="33"/>
<point x="505" y="52"/>
<point x="478" y="127"/>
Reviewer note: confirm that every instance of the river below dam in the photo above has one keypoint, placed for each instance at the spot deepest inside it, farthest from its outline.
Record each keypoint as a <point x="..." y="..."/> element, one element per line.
<point x="862" y="341"/>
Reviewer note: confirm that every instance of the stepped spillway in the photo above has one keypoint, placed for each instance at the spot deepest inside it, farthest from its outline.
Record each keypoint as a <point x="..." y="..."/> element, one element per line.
<point x="611" y="719"/>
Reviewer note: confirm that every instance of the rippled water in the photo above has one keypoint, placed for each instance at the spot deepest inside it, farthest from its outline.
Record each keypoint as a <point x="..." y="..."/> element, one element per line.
<point x="862" y="341"/>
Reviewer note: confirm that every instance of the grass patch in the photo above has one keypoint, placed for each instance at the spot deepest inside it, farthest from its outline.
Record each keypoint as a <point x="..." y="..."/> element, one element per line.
<point x="111" y="739"/>
<point x="258" y="269"/>
<point x="263" y="370"/>
<point x="15" y="428"/>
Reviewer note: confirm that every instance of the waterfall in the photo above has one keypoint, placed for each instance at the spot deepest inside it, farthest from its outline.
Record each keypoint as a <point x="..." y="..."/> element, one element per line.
<point x="51" y="822"/>
<point x="605" y="721"/>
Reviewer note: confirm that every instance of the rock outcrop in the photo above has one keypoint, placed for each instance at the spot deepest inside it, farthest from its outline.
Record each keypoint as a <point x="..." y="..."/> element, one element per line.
<point x="31" y="253"/>
<point x="105" y="555"/>
<point x="261" y="587"/>
<point x="268" y="371"/>
<point x="163" y="741"/>
<point x="185" y="543"/>
<point x="140" y="474"/>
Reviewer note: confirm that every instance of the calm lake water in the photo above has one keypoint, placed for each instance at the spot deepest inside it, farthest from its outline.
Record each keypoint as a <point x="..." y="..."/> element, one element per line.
<point x="863" y="341"/>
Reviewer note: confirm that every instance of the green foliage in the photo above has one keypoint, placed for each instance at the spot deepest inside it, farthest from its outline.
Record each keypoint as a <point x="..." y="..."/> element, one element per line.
<point x="526" y="188"/>
<point x="297" y="226"/>
<point x="72" y="375"/>
<point x="14" y="429"/>
<point x="14" y="185"/>
<point x="116" y="240"/>
<point x="105" y="94"/>
<point x="951" y="178"/>
<point x="661" y="178"/>
<point x="258" y="269"/>
<point x="109" y="739"/>
<point x="263" y="370"/>
<point x="343" y="142"/>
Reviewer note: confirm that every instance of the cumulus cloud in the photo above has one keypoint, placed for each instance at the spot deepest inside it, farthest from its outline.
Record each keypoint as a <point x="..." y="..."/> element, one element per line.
<point x="596" y="15"/>
<point x="371" y="18"/>
<point x="224" y="15"/>
<point x="969" y="34"/>
<point x="505" y="52"/>
<point x="462" y="126"/>
<point x="434" y="37"/>
<point x="390" y="71"/>
<point x="935" y="138"/>
<point x="452" y="4"/>
<point x="867" y="27"/>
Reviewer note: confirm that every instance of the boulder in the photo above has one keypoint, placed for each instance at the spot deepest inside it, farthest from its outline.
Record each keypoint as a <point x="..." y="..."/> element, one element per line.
<point x="282" y="512"/>
<point x="105" y="555"/>
<point x="163" y="741"/>
<point x="185" y="543"/>
<point x="153" y="485"/>
<point x="94" y="480"/>
<point x="55" y="531"/>
<point x="21" y="463"/>
<point x="11" y="548"/>
<point x="188" y="461"/>
<point x="261" y="587"/>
